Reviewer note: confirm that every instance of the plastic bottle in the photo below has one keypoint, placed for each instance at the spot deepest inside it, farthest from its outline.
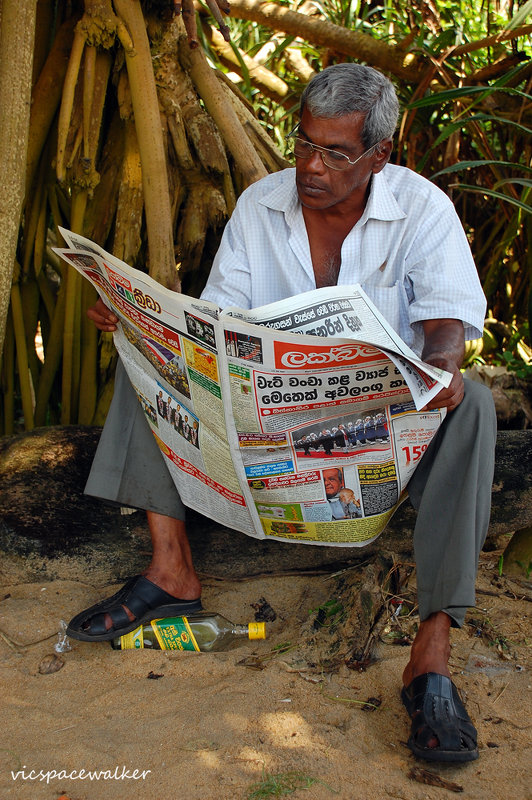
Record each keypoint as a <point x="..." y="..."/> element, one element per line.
<point x="202" y="630"/>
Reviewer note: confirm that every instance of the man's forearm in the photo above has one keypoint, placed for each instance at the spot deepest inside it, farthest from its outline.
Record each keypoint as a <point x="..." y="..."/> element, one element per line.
<point x="444" y="341"/>
<point x="444" y="348"/>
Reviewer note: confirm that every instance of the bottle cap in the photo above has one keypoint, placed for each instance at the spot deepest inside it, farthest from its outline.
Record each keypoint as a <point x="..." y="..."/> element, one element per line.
<point x="257" y="630"/>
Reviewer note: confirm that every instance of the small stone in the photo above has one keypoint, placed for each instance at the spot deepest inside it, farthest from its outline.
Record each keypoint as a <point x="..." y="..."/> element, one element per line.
<point x="51" y="663"/>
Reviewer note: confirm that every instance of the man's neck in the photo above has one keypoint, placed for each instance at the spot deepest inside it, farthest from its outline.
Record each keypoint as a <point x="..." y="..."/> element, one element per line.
<point x="326" y="230"/>
<point x="326" y="233"/>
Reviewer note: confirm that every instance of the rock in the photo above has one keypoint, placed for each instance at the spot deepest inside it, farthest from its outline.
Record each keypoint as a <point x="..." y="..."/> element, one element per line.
<point x="47" y="524"/>
<point x="50" y="664"/>
<point x="517" y="557"/>
<point x="512" y="483"/>
<point x="49" y="529"/>
<point x="512" y="396"/>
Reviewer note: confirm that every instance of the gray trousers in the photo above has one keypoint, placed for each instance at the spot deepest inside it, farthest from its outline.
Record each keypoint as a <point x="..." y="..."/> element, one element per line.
<point x="450" y="489"/>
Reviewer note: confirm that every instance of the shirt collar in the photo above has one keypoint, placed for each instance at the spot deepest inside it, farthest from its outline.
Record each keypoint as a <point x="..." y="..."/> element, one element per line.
<point x="381" y="202"/>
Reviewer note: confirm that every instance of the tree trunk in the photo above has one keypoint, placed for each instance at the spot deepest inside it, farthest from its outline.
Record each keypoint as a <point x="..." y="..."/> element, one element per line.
<point x="326" y="34"/>
<point x="149" y="128"/>
<point x="17" y="33"/>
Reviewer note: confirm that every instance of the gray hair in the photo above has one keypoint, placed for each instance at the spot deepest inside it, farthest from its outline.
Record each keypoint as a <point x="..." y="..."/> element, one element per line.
<point x="347" y="88"/>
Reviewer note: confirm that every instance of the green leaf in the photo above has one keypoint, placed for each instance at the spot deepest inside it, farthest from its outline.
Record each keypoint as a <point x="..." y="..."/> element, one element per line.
<point x="520" y="181"/>
<point x="521" y="16"/>
<point x="497" y="195"/>
<point x="447" y="95"/>
<point x="463" y="165"/>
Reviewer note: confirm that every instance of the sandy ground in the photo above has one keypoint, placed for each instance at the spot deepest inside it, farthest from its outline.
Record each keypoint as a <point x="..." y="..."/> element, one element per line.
<point x="210" y="727"/>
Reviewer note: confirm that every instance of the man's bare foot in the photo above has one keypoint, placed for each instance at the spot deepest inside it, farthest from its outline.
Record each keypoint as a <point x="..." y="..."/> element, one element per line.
<point x="171" y="567"/>
<point x="430" y="652"/>
<point x="431" y="648"/>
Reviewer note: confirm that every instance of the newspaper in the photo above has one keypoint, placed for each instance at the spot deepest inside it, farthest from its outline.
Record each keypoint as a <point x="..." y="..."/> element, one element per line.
<point x="298" y="421"/>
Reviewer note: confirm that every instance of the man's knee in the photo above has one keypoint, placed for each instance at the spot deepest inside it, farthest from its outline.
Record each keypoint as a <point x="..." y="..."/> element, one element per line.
<point x="477" y="408"/>
<point x="478" y="395"/>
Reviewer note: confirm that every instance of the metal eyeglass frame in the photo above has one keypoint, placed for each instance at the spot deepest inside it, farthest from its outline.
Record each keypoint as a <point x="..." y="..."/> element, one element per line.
<point x="324" y="150"/>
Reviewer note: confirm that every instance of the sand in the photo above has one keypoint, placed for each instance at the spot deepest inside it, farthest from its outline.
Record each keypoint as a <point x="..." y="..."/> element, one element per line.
<point x="218" y="726"/>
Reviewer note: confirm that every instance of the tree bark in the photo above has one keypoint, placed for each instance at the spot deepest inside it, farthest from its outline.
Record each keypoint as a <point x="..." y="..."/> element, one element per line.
<point x="241" y="149"/>
<point x="270" y="84"/>
<point x="46" y="96"/>
<point x="323" y="33"/>
<point x="148" y="125"/>
<point x="17" y="34"/>
<point x="502" y="36"/>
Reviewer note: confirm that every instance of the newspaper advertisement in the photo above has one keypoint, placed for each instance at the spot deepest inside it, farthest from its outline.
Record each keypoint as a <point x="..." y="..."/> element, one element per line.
<point x="300" y="421"/>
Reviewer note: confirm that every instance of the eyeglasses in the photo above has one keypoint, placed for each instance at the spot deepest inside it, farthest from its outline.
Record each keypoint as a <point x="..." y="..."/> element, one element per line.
<point x="331" y="158"/>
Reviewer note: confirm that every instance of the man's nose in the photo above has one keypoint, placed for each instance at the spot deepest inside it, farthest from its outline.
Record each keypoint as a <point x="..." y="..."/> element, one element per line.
<point x="315" y="162"/>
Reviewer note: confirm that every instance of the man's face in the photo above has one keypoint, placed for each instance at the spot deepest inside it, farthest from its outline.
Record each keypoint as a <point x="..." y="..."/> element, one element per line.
<point x="320" y="187"/>
<point x="332" y="481"/>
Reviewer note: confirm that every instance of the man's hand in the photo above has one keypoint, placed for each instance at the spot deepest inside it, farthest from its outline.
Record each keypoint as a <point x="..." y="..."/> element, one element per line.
<point x="103" y="318"/>
<point x="444" y="348"/>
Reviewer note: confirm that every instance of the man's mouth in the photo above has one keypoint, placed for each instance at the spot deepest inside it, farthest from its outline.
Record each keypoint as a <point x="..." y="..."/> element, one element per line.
<point x="310" y="187"/>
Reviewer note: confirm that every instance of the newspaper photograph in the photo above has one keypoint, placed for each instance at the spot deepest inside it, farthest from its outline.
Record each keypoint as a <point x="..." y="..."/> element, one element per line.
<point x="270" y="423"/>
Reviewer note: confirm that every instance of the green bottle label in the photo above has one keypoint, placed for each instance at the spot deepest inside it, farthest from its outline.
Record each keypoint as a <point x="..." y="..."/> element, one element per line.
<point x="133" y="640"/>
<point x="174" y="633"/>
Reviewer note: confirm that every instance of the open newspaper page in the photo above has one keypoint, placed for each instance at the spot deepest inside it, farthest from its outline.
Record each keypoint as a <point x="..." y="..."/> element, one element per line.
<point x="266" y="427"/>
<point x="347" y="311"/>
<point x="169" y="345"/>
<point x="327" y="430"/>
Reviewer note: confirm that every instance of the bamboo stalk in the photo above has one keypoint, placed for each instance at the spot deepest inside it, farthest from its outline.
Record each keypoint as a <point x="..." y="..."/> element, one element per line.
<point x="269" y="153"/>
<point x="32" y="219"/>
<point x="22" y="357"/>
<point x="502" y="36"/>
<point x="70" y="367"/>
<point x="29" y="295"/>
<point x="244" y="155"/>
<point x="54" y="344"/>
<point x="8" y="377"/>
<point x="101" y="208"/>
<point x="54" y="350"/>
<point x="89" y="358"/>
<point x="128" y="221"/>
<point x="270" y="84"/>
<point x="157" y="204"/>
<point x="46" y="293"/>
<point x="96" y="103"/>
<point x="47" y="96"/>
<point x="39" y="248"/>
<point x="71" y="345"/>
<point x="89" y="79"/>
<point x="67" y="102"/>
<point x="104" y="399"/>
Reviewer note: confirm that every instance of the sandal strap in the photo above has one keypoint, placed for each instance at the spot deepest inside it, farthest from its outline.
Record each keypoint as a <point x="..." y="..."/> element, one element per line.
<point x="434" y="704"/>
<point x="144" y="595"/>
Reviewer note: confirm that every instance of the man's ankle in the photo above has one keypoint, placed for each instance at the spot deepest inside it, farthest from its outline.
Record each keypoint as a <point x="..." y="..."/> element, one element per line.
<point x="181" y="582"/>
<point x="431" y="648"/>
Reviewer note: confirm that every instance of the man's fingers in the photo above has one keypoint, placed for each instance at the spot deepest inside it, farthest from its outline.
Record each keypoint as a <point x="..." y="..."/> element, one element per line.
<point x="448" y="398"/>
<point x="103" y="317"/>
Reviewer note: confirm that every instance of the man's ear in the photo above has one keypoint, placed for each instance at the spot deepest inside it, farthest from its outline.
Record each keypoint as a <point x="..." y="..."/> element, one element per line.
<point x="382" y="155"/>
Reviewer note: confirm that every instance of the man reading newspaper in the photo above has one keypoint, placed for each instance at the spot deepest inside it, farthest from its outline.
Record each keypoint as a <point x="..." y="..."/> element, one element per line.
<point x="344" y="215"/>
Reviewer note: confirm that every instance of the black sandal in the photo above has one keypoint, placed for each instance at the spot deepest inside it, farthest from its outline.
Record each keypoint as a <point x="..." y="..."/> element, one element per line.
<point x="142" y="597"/>
<point x="433" y="703"/>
